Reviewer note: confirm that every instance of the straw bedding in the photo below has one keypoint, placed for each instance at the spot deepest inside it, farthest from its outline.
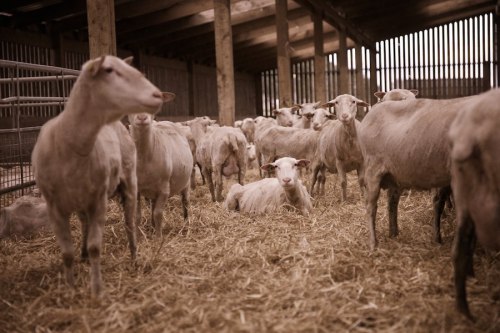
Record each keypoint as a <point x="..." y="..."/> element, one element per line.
<point x="226" y="272"/>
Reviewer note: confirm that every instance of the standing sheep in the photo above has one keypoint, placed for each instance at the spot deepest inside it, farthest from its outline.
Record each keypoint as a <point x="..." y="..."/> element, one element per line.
<point x="475" y="171"/>
<point x="343" y="140"/>
<point x="164" y="163"/>
<point x="404" y="146"/>
<point x="268" y="194"/>
<point x="85" y="155"/>
<point x="396" y="95"/>
<point x="221" y="152"/>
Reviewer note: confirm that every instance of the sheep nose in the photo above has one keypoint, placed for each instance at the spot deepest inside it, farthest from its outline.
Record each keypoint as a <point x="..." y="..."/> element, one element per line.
<point x="345" y="116"/>
<point x="142" y="117"/>
<point x="286" y="180"/>
<point x="158" y="94"/>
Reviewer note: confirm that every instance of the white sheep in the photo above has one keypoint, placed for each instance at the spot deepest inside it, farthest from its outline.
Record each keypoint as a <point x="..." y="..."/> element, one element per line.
<point x="164" y="164"/>
<point x="24" y="217"/>
<point x="284" y="116"/>
<point x="475" y="178"/>
<point x="85" y="155"/>
<point x="344" y="139"/>
<point x="221" y="152"/>
<point x="306" y="111"/>
<point x="396" y="95"/>
<point x="269" y="194"/>
<point x="248" y="128"/>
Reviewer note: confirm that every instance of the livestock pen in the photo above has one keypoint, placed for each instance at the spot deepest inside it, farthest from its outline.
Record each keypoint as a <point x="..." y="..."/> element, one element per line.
<point x="226" y="272"/>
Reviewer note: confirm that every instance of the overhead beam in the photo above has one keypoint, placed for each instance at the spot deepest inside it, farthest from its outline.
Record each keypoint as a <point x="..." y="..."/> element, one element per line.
<point x="319" y="59"/>
<point x="49" y="13"/>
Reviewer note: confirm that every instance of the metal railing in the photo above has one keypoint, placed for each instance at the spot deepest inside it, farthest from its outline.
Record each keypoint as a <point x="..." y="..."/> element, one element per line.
<point x="30" y="95"/>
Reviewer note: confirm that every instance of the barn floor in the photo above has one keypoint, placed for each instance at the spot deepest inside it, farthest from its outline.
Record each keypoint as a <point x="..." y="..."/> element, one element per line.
<point x="222" y="272"/>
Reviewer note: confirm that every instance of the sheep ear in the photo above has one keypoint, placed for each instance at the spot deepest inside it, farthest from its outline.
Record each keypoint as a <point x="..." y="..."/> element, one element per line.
<point x="327" y="105"/>
<point x="360" y="102"/>
<point x="129" y="60"/>
<point x="379" y="94"/>
<point x="276" y="111"/>
<point x="95" y="65"/>
<point x="167" y="97"/>
<point x="302" y="163"/>
<point x="317" y="104"/>
<point x="268" y="167"/>
<point x="414" y="91"/>
<point x="296" y="107"/>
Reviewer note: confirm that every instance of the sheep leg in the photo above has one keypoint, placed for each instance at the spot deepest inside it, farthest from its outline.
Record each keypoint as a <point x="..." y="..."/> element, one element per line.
<point x="97" y="218"/>
<point x="62" y="231"/>
<point x="361" y="180"/>
<point x="463" y="260"/>
<point x="314" y="178"/>
<point x="372" y="194"/>
<point x="185" y="202"/>
<point x="202" y="175"/>
<point x="343" y="178"/>
<point x="130" y="205"/>
<point x="393" y="195"/>
<point x="439" y="201"/>
<point x="218" y="184"/>
<point x="84" y="221"/>
<point x="193" y="178"/>
<point x="157" y="211"/>
<point x="208" y="176"/>
<point x="322" y="180"/>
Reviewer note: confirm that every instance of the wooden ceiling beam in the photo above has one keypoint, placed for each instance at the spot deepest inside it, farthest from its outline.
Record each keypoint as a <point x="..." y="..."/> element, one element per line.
<point x="8" y="6"/>
<point x="49" y="13"/>
<point x="143" y="7"/>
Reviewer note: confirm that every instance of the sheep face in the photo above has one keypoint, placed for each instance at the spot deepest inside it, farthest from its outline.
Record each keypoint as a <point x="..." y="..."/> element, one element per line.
<point x="286" y="170"/>
<point x="346" y="107"/>
<point x="284" y="116"/>
<point x="320" y="117"/>
<point x="121" y="88"/>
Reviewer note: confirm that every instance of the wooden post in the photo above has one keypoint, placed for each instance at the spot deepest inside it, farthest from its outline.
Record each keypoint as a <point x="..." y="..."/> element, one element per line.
<point x="373" y="76"/>
<point x="360" y="87"/>
<point x="342" y="63"/>
<point x="190" y="68"/>
<point x="284" y="68"/>
<point x="258" y="94"/>
<point x="224" y="59"/>
<point x="101" y="25"/>
<point x="319" y="59"/>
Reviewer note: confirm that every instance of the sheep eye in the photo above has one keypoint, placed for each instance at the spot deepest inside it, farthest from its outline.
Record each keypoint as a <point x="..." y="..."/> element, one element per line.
<point x="108" y="70"/>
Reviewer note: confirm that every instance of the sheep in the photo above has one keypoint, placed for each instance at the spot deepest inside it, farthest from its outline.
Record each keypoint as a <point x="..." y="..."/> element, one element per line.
<point x="238" y="123"/>
<point x="250" y="156"/>
<point x="26" y="216"/>
<point x="307" y="111"/>
<point x="248" y="128"/>
<point x="221" y="152"/>
<point x="262" y="124"/>
<point x="321" y="116"/>
<point x="164" y="164"/>
<point x="85" y="155"/>
<point x="396" y="95"/>
<point x="269" y="194"/>
<point x="404" y="146"/>
<point x="475" y="165"/>
<point x="284" y="116"/>
<point x="344" y="139"/>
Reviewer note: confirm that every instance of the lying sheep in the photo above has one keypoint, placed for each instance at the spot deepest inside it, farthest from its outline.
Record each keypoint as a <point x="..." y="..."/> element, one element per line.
<point x="26" y="216"/>
<point x="404" y="147"/>
<point x="269" y="194"/>
<point x="85" y="155"/>
<point x="475" y="170"/>
<point x="343" y="140"/>
<point x="221" y="152"/>
<point x="164" y="164"/>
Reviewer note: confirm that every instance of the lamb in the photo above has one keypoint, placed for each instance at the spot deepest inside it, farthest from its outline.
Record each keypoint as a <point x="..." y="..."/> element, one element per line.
<point x="85" y="155"/>
<point x="164" y="163"/>
<point x="222" y="152"/>
<point x="340" y="144"/>
<point x="23" y="218"/>
<point x="404" y="146"/>
<point x="396" y="95"/>
<point x="269" y="194"/>
<point x="475" y="170"/>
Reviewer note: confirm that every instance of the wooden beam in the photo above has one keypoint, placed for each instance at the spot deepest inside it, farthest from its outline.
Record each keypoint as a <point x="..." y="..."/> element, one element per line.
<point x="342" y="64"/>
<point x="101" y="18"/>
<point x="49" y="13"/>
<point x="283" y="55"/>
<point x="143" y="7"/>
<point x="319" y="59"/>
<point x="224" y="56"/>
<point x="360" y="88"/>
<point x="10" y="5"/>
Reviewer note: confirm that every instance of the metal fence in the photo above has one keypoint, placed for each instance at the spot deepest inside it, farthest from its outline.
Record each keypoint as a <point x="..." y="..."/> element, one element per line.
<point x="30" y="95"/>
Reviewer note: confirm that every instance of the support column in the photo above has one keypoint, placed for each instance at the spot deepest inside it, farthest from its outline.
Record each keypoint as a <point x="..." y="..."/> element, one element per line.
<point x="319" y="59"/>
<point x="101" y="25"/>
<point x="342" y="63"/>
<point x="284" y="68"/>
<point x="224" y="57"/>
<point x="360" y="87"/>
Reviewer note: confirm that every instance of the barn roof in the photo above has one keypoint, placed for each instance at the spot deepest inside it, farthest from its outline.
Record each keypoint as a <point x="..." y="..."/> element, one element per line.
<point x="185" y="29"/>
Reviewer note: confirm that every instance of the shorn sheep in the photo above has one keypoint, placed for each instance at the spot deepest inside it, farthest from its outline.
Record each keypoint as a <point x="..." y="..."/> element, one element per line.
<point x="475" y="169"/>
<point x="404" y="146"/>
<point x="269" y="194"/>
<point x="85" y="155"/>
<point x="164" y="163"/>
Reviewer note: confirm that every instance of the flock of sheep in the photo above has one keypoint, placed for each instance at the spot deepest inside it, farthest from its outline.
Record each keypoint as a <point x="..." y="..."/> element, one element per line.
<point x="86" y="155"/>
